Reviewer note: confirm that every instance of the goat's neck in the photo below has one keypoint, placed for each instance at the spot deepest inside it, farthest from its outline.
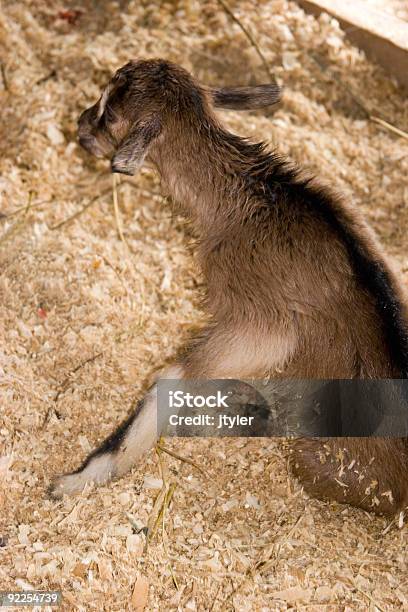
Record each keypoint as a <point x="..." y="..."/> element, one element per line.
<point x="197" y="174"/>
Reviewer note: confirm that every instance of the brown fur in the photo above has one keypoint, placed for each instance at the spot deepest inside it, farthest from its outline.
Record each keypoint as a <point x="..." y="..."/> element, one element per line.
<point x="296" y="282"/>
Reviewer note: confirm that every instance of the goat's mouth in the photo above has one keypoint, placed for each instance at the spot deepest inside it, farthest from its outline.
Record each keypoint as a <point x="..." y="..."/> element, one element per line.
<point x="95" y="147"/>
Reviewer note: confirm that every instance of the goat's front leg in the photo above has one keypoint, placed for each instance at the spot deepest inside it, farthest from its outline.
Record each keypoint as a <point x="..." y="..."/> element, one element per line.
<point x="120" y="451"/>
<point x="219" y="352"/>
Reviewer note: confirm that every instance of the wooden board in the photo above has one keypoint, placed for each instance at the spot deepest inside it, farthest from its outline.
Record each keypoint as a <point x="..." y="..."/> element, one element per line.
<point x="384" y="38"/>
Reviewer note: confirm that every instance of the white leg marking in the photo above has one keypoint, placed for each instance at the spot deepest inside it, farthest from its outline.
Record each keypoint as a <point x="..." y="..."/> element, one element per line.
<point x="99" y="470"/>
<point x="139" y="437"/>
<point x="142" y="433"/>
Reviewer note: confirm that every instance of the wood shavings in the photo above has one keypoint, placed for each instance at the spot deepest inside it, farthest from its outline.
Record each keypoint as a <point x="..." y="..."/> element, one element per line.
<point x="294" y="595"/>
<point x="249" y="36"/>
<point x="84" y="316"/>
<point x="140" y="594"/>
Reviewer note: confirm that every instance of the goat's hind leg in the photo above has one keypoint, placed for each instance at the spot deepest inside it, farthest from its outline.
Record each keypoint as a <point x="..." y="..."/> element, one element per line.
<point x="370" y="473"/>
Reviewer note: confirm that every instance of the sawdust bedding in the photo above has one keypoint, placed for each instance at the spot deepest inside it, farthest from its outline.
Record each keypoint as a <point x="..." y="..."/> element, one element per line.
<point x="86" y="317"/>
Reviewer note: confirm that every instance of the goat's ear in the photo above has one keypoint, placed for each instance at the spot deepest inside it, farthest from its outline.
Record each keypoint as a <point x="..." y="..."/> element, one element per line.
<point x="245" y="98"/>
<point x="133" y="149"/>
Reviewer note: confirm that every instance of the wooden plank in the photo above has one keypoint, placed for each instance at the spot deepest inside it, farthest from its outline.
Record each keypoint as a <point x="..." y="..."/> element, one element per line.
<point x="383" y="37"/>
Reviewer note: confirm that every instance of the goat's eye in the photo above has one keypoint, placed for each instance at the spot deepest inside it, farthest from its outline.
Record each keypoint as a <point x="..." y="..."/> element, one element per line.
<point x="108" y="119"/>
<point x="109" y="114"/>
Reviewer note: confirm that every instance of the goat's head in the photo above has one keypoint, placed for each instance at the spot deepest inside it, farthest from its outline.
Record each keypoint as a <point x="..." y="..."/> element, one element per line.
<point x="142" y="98"/>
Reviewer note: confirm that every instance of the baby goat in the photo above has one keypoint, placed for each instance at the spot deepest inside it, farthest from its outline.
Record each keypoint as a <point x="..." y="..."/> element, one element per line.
<point x="297" y="286"/>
